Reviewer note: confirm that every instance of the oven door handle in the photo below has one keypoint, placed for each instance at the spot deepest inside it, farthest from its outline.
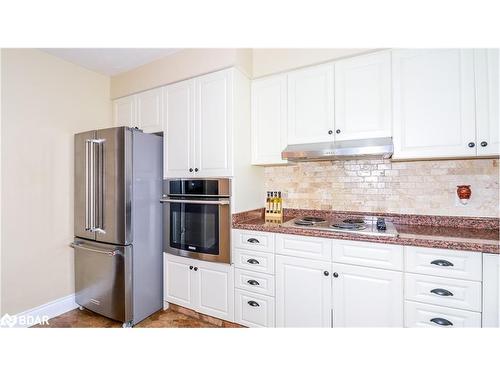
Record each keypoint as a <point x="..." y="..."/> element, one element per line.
<point x="219" y="203"/>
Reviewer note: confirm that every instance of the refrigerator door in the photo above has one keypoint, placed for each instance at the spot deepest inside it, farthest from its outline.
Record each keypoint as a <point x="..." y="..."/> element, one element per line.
<point x="113" y="187"/>
<point x="103" y="278"/>
<point x="83" y="188"/>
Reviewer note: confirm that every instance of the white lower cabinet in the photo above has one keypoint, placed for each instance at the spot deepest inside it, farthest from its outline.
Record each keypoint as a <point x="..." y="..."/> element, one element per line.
<point x="424" y="315"/>
<point x="367" y="297"/>
<point x="254" y="310"/>
<point x="303" y="292"/>
<point x="202" y="286"/>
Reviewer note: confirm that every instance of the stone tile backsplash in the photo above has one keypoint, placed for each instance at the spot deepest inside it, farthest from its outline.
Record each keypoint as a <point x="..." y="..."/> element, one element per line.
<point x="410" y="187"/>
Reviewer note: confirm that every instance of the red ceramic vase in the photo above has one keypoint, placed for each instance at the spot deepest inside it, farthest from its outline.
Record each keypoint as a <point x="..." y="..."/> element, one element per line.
<point x="464" y="191"/>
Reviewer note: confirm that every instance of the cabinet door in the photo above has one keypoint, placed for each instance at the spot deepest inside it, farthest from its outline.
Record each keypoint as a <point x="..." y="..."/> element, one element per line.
<point x="433" y="103"/>
<point x="363" y="97"/>
<point x="269" y="126"/>
<point x="150" y="111"/>
<point x="124" y="111"/>
<point x="179" y="129"/>
<point x="303" y="292"/>
<point x="213" y="135"/>
<point x="178" y="287"/>
<point x="487" y="101"/>
<point x="214" y="285"/>
<point x="367" y="297"/>
<point x="311" y="104"/>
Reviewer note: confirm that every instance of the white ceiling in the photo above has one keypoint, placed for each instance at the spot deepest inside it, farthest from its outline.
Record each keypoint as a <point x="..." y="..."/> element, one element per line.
<point x="110" y="61"/>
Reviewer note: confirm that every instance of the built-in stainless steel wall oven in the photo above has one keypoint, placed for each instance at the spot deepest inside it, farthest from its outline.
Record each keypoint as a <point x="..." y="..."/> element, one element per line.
<point x="197" y="218"/>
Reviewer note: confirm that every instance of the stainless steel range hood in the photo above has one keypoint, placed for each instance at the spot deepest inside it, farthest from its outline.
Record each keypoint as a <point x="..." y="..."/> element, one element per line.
<point x="381" y="148"/>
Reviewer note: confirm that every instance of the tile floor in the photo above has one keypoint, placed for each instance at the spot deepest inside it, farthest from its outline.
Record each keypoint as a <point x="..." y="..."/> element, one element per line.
<point x="171" y="318"/>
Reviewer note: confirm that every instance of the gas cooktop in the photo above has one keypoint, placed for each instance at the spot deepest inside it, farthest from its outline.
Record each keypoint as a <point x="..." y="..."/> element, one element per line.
<point x="367" y="225"/>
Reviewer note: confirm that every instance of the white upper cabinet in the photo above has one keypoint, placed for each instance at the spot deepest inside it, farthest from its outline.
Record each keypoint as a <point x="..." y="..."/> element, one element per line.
<point x="433" y="103"/>
<point x="178" y="104"/>
<point x="124" y="111"/>
<point x="487" y="101"/>
<point x="311" y="104"/>
<point x="200" y="115"/>
<point x="363" y="97"/>
<point x="269" y="124"/>
<point x="303" y="292"/>
<point x="150" y="111"/>
<point x="213" y="124"/>
<point x="367" y="297"/>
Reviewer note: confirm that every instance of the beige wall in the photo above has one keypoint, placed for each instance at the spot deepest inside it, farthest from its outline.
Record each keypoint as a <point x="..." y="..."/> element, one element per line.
<point x="418" y="187"/>
<point x="190" y="63"/>
<point x="273" y="60"/>
<point x="45" y="100"/>
<point x="184" y="64"/>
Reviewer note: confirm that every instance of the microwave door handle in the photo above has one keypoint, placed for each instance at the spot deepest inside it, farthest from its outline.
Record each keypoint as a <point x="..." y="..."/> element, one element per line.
<point x="219" y="203"/>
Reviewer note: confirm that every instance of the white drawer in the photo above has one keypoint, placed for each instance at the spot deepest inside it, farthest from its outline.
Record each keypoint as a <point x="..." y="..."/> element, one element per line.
<point x="304" y="247"/>
<point x="370" y="254"/>
<point x="447" y="263"/>
<point x="254" y="310"/>
<point x="455" y="293"/>
<point x="423" y="315"/>
<point x="253" y="260"/>
<point x="260" y="241"/>
<point x="254" y="282"/>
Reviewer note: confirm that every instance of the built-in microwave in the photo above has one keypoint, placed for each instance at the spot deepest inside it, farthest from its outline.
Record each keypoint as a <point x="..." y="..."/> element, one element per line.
<point x="197" y="218"/>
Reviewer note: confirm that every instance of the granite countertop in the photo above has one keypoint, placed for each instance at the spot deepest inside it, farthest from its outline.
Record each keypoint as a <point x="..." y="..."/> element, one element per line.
<point x="446" y="232"/>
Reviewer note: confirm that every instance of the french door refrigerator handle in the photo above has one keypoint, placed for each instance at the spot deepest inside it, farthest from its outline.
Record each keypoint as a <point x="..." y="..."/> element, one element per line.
<point x="89" y="201"/>
<point x="99" y="194"/>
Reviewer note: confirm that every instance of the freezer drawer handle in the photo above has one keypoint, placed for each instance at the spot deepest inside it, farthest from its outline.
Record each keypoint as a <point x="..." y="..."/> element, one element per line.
<point x="219" y="203"/>
<point x="442" y="292"/>
<point x="442" y="263"/>
<point x="441" y="322"/>
<point x="74" y="245"/>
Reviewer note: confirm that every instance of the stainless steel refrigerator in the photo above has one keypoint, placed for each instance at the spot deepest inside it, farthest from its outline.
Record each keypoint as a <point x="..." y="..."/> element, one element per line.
<point x="118" y="223"/>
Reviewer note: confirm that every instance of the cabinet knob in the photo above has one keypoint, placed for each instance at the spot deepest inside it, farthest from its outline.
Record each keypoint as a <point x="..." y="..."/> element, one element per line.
<point x="330" y="131"/>
<point x="190" y="169"/>
<point x="190" y="267"/>
<point x="196" y="169"/>
<point x="196" y="268"/>
<point x="326" y="273"/>
<point x="471" y="144"/>
<point x="337" y="131"/>
<point x="484" y="144"/>
<point x="335" y="274"/>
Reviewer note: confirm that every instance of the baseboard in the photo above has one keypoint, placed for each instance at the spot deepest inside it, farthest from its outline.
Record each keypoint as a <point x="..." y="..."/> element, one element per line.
<point x="40" y="314"/>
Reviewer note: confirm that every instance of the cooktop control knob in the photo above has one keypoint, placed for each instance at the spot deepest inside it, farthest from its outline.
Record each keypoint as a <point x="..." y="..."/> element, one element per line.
<point x="381" y="224"/>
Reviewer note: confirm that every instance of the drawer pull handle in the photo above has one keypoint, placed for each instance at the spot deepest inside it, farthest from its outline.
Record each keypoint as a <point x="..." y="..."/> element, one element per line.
<point x="442" y="292"/>
<point x="253" y="240"/>
<point x="253" y="304"/>
<point x="442" y="263"/>
<point x="441" y="322"/>
<point x="252" y="261"/>
<point x="253" y="282"/>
